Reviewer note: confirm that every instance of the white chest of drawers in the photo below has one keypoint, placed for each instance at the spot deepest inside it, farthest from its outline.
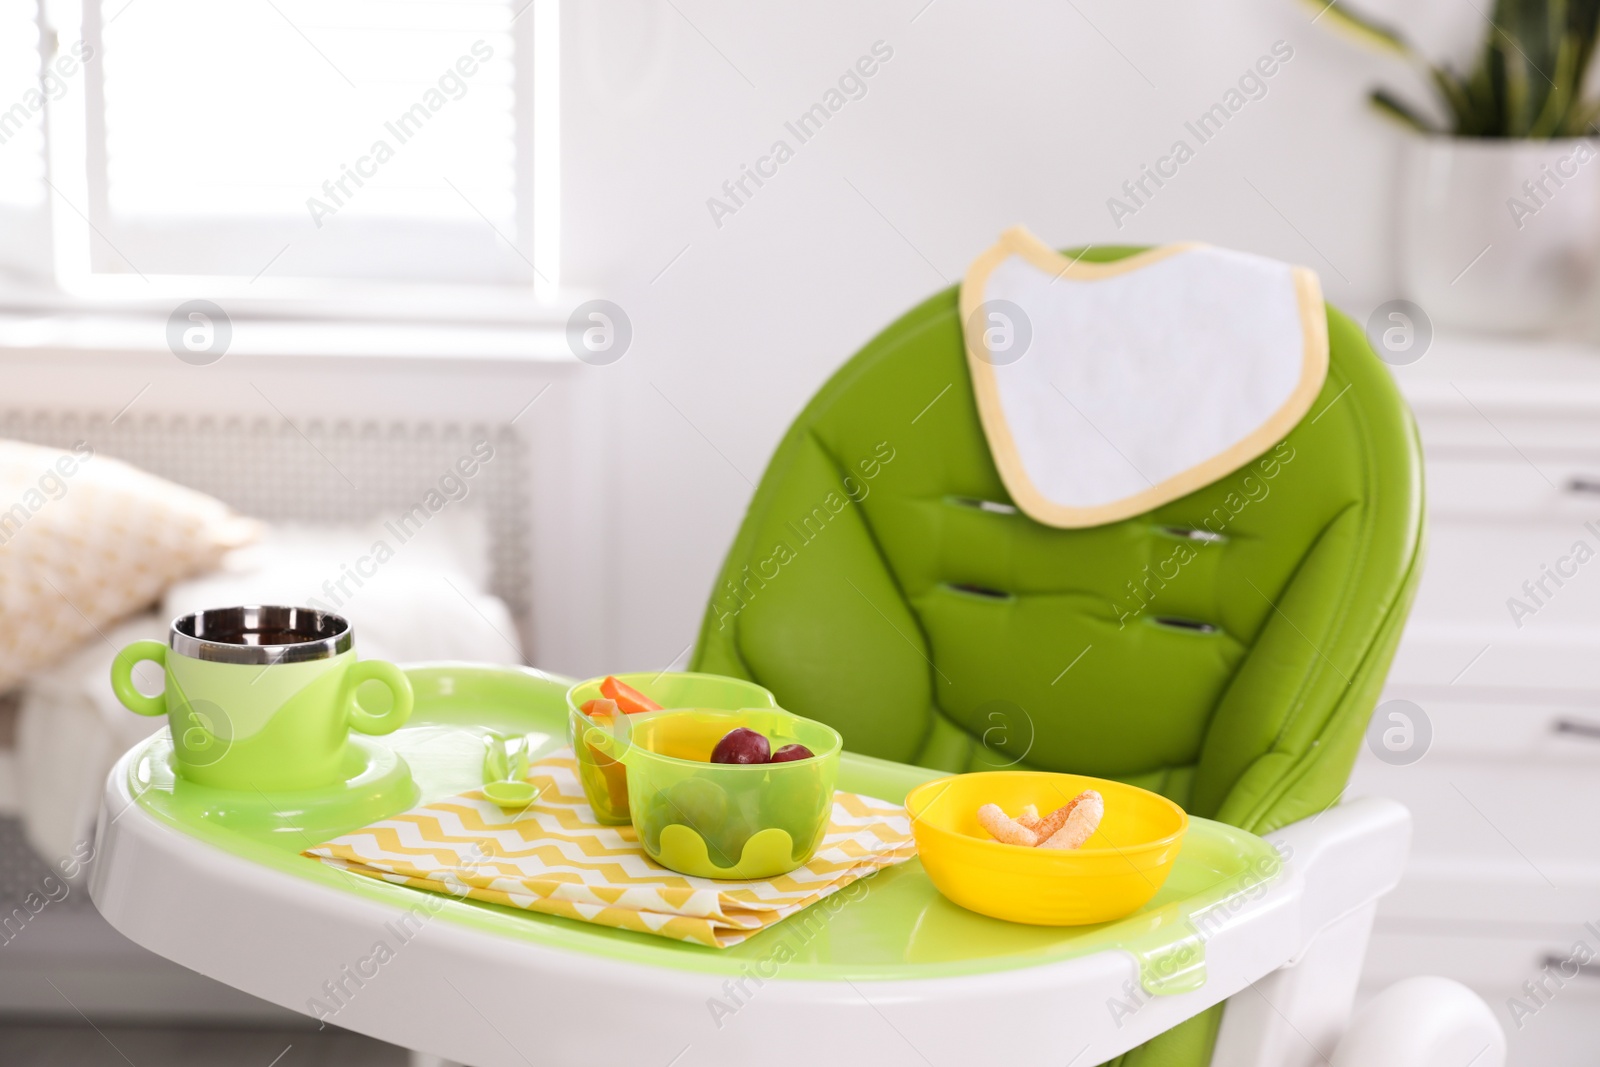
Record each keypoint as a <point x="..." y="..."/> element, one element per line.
<point x="1502" y="654"/>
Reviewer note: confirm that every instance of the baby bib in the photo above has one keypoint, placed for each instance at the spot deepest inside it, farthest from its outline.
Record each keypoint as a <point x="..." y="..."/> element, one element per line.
<point x="1108" y="389"/>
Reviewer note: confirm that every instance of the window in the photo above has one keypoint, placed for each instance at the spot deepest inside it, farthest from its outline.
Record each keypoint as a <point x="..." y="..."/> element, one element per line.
<point x="274" y="147"/>
<point x="22" y="187"/>
<point x="22" y="121"/>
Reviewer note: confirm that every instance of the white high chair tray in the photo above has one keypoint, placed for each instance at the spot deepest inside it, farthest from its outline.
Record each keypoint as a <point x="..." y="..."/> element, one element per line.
<point x="893" y="975"/>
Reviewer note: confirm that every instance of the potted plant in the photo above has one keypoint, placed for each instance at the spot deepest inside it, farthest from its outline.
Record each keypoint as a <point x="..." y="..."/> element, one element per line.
<point x="1499" y="203"/>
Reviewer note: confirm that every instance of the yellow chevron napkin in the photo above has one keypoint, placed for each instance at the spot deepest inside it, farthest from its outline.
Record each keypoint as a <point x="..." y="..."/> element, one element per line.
<point x="555" y="858"/>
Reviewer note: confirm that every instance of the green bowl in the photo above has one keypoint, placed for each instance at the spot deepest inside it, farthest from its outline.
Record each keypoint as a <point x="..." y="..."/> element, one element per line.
<point x="719" y="820"/>
<point x="605" y="780"/>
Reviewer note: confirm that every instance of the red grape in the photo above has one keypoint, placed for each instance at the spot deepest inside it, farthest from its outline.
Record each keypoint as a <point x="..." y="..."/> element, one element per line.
<point x="790" y="753"/>
<point x="743" y="745"/>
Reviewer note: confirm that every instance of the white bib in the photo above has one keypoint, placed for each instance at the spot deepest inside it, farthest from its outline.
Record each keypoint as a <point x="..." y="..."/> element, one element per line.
<point x="1108" y="389"/>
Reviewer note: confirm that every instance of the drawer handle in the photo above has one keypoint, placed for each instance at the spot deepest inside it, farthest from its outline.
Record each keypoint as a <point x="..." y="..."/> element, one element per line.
<point x="1583" y="483"/>
<point x="1553" y="962"/>
<point x="1577" y="728"/>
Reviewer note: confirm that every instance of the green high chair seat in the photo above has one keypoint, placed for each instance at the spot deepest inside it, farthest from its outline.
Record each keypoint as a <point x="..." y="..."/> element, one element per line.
<point x="1225" y="649"/>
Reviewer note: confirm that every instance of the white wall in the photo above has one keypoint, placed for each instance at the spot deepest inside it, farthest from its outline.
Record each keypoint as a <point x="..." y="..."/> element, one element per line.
<point x="988" y="114"/>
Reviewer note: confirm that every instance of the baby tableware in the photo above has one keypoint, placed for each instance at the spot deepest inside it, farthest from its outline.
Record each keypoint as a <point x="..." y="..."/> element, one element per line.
<point x="1116" y="872"/>
<point x="505" y="768"/>
<point x="726" y="820"/>
<point x="263" y="698"/>
<point x="605" y="780"/>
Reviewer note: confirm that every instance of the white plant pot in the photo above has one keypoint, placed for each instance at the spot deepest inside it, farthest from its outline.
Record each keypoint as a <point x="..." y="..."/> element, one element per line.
<point x="1500" y="235"/>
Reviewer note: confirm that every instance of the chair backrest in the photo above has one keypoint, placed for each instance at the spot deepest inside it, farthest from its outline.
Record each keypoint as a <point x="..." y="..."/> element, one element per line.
<point x="1225" y="649"/>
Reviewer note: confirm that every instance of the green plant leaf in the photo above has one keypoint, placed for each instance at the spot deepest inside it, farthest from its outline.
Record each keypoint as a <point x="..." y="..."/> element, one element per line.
<point x="1392" y="107"/>
<point x="1482" y="118"/>
<point x="1526" y="80"/>
<point x="1369" y="32"/>
<point x="1555" y="103"/>
<point x="1518" y="99"/>
<point x="1454" y="93"/>
<point x="1583" y="23"/>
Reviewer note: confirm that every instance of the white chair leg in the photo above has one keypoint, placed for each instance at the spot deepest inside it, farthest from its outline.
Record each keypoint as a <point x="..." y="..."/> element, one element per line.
<point x="1424" y="1022"/>
<point x="1294" y="1016"/>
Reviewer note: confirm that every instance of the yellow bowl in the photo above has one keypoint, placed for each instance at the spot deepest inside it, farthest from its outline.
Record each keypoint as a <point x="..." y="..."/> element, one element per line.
<point x="1114" y="874"/>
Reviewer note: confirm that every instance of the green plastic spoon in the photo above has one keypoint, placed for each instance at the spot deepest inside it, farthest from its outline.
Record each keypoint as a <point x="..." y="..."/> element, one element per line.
<point x="505" y="766"/>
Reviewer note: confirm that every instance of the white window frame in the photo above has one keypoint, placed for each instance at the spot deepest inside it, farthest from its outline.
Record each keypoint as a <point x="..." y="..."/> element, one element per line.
<point x="24" y="230"/>
<point x="75" y="165"/>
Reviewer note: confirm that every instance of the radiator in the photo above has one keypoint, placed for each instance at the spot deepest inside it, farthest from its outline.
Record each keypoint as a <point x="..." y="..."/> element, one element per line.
<point x="318" y="471"/>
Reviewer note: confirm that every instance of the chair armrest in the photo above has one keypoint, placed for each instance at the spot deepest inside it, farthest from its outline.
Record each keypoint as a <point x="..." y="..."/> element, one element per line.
<point x="1340" y="861"/>
<point x="1349" y="855"/>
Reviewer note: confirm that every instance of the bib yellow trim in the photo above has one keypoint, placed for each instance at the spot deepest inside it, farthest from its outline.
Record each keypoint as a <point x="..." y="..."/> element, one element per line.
<point x="1019" y="242"/>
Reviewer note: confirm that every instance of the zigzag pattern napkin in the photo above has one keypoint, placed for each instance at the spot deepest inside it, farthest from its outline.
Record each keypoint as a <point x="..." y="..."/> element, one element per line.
<point x="555" y="858"/>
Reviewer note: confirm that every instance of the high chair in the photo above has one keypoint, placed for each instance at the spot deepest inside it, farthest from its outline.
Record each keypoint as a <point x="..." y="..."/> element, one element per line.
<point x="1225" y="650"/>
<point x="884" y="583"/>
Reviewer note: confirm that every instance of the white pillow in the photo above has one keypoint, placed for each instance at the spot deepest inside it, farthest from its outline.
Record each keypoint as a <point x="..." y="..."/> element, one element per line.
<point x="455" y="541"/>
<point x="420" y="599"/>
<point x="86" y="540"/>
